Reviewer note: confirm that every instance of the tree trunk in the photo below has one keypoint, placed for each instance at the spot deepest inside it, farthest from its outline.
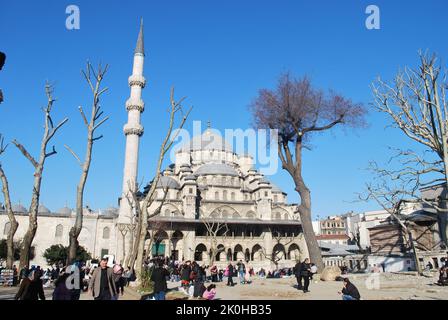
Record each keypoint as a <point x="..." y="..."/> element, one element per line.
<point x="76" y="229"/>
<point x="12" y="220"/>
<point x="32" y="225"/>
<point x="314" y="251"/>
<point x="414" y="251"/>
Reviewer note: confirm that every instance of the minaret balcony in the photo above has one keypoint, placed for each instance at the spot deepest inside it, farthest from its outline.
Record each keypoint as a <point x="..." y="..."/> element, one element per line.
<point x="133" y="129"/>
<point x="137" y="80"/>
<point x="133" y="104"/>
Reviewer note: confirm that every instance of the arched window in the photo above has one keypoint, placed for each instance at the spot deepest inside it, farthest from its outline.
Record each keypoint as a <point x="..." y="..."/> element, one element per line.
<point x="106" y="233"/>
<point x="59" y="231"/>
<point x="224" y="195"/>
<point x="275" y="198"/>
<point x="216" y="195"/>
<point x="232" y="196"/>
<point x="7" y="228"/>
<point x="167" y="213"/>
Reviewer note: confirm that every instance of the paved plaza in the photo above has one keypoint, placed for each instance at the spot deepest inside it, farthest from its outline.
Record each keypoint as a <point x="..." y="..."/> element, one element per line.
<point x="386" y="287"/>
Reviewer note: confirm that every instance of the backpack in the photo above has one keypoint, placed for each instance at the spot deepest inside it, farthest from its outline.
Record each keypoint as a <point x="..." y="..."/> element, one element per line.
<point x="226" y="272"/>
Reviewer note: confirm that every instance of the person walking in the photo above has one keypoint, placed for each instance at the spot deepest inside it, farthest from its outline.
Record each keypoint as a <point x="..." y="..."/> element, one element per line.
<point x="61" y="292"/>
<point x="248" y="274"/>
<point x="158" y="276"/>
<point x="349" y="291"/>
<point x="298" y="274"/>
<point x="229" y="271"/>
<point x="241" y="268"/>
<point x="31" y="287"/>
<point x="214" y="273"/>
<point x="119" y="280"/>
<point x="305" y="274"/>
<point x="102" y="284"/>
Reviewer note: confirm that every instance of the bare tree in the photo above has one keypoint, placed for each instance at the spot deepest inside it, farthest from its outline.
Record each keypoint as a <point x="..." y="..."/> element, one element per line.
<point x="216" y="230"/>
<point x="417" y="104"/>
<point x="141" y="206"/>
<point x="281" y="240"/>
<point x="392" y="200"/>
<point x="49" y="131"/>
<point x="139" y="223"/>
<point x="13" y="224"/>
<point x="92" y="124"/>
<point x="298" y="111"/>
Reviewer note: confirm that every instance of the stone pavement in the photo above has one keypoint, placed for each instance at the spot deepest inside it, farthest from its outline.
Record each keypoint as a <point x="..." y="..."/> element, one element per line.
<point x="381" y="287"/>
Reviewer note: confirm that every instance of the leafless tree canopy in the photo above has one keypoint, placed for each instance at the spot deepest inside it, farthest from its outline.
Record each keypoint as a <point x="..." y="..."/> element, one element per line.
<point x="50" y="130"/>
<point x="297" y="110"/>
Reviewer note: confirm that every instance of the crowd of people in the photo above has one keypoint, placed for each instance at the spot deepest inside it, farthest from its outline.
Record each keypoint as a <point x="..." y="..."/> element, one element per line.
<point x="68" y="282"/>
<point x="199" y="281"/>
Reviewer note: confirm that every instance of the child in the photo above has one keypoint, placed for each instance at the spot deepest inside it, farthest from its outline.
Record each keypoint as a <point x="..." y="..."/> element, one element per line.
<point x="210" y="292"/>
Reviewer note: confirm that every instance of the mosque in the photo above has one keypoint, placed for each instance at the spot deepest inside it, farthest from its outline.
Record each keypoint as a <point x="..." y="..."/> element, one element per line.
<point x="208" y="184"/>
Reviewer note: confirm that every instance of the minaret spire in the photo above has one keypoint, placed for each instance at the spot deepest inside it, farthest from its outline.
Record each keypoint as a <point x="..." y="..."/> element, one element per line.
<point x="140" y="47"/>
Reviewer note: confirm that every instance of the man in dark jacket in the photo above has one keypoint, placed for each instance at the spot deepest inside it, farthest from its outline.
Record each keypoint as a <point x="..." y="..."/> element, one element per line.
<point x="305" y="273"/>
<point x="349" y="292"/>
<point x="158" y="276"/>
<point x="297" y="273"/>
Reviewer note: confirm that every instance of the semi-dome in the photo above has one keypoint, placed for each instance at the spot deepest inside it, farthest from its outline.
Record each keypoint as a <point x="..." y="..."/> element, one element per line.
<point x="110" y="211"/>
<point x="216" y="168"/>
<point x="167" y="182"/>
<point x="43" y="209"/>
<point x="209" y="140"/>
<point x="190" y="178"/>
<point x="18" y="208"/>
<point x="65" y="210"/>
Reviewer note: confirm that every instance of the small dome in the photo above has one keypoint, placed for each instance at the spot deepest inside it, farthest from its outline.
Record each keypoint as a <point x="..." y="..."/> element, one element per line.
<point x="216" y="168"/>
<point x="167" y="182"/>
<point x="110" y="211"/>
<point x="65" y="211"/>
<point x="42" y="209"/>
<point x="18" y="208"/>
<point x="190" y="177"/>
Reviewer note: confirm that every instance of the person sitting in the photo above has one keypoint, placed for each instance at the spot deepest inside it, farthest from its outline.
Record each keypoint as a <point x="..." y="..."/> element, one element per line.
<point x="349" y="292"/>
<point x="443" y="277"/>
<point x="210" y="292"/>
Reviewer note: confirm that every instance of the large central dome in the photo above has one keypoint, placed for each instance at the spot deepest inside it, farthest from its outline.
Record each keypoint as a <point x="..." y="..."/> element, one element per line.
<point x="209" y="140"/>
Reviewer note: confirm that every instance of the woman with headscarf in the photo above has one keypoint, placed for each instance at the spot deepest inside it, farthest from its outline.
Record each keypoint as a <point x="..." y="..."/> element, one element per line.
<point x="31" y="287"/>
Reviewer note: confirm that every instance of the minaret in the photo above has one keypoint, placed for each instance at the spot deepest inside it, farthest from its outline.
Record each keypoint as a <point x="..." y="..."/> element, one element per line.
<point x="133" y="130"/>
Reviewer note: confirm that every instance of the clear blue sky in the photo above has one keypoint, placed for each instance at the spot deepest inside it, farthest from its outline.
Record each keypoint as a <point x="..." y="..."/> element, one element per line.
<point x="218" y="54"/>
